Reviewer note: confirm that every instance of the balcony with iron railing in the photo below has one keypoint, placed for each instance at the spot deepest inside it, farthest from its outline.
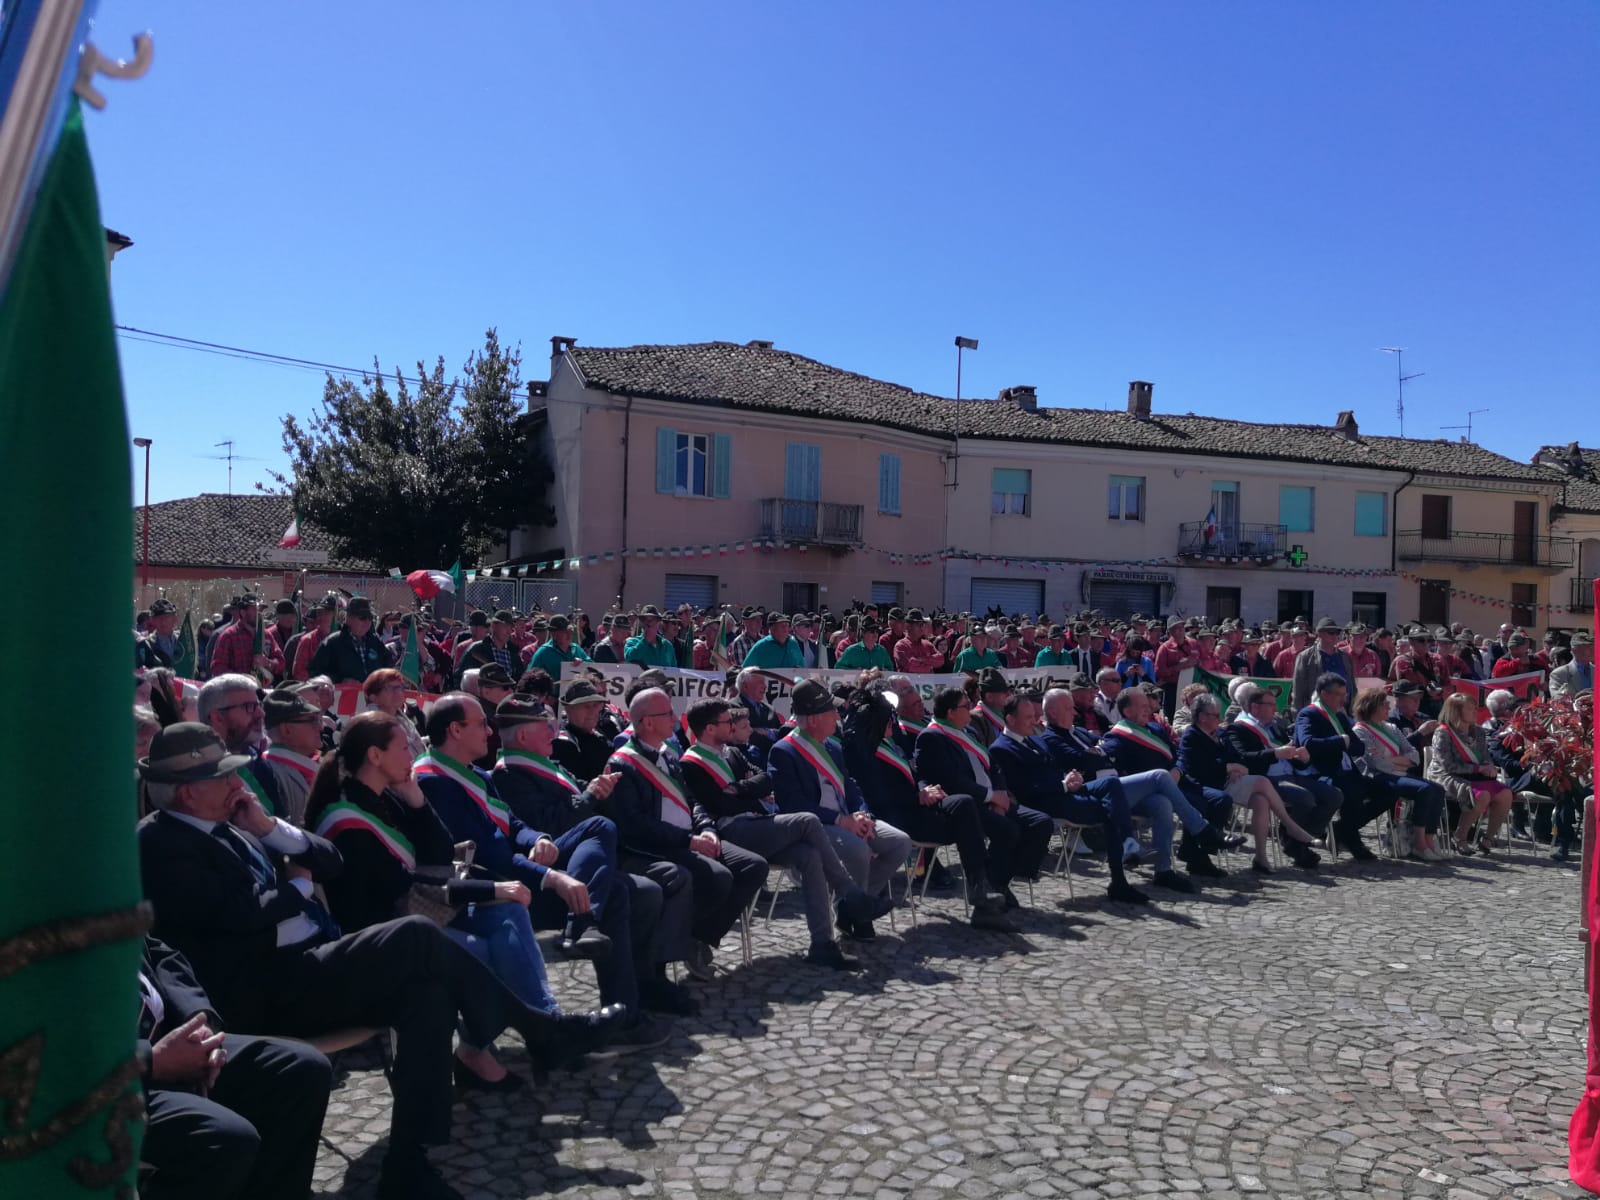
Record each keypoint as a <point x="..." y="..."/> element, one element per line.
<point x="1232" y="543"/>
<point x="1582" y="595"/>
<point x="812" y="522"/>
<point x="1496" y="549"/>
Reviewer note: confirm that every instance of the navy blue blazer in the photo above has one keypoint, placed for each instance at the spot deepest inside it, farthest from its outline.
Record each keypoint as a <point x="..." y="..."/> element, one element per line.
<point x="1256" y="755"/>
<point x="1029" y="770"/>
<point x="635" y="806"/>
<point x="1203" y="761"/>
<point x="795" y="786"/>
<point x="1075" y="749"/>
<point x="939" y="760"/>
<point x="1316" y="733"/>
<point x="1131" y="758"/>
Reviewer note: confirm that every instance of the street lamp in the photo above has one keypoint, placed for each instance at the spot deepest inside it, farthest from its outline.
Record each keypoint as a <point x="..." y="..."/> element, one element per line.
<point x="962" y="344"/>
<point x="144" y="444"/>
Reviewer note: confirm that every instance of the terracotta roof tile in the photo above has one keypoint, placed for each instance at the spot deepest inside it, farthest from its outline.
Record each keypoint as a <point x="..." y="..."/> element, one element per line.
<point x="216" y="530"/>
<point x="1582" y="488"/>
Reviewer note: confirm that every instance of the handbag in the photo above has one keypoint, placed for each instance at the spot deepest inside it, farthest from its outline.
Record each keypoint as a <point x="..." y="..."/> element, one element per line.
<point x="429" y="895"/>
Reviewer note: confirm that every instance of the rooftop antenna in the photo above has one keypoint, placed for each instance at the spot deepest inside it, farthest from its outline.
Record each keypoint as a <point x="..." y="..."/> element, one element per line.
<point x="1468" y="426"/>
<point x="230" y="457"/>
<point x="1400" y="382"/>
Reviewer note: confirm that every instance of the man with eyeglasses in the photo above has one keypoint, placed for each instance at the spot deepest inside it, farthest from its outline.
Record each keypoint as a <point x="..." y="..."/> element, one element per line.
<point x="231" y="705"/>
<point x="667" y="836"/>
<point x="739" y="798"/>
<point x="1265" y="747"/>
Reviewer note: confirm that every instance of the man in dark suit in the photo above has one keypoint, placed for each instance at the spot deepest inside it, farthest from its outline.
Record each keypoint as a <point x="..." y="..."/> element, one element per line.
<point x="1036" y="782"/>
<point x="231" y="888"/>
<point x="1323" y="728"/>
<point x="1260" y="742"/>
<point x="229" y="1117"/>
<point x="949" y="756"/>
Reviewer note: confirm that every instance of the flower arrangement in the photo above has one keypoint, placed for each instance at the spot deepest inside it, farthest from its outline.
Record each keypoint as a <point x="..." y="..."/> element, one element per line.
<point x="1555" y="740"/>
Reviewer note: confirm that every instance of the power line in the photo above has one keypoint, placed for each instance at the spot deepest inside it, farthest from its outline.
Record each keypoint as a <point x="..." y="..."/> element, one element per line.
<point x="174" y="342"/>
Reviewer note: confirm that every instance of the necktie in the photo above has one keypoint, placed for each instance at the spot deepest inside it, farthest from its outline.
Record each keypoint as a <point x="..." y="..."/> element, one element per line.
<point x="259" y="866"/>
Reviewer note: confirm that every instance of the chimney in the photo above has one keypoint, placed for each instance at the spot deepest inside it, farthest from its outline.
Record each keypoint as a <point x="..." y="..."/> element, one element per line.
<point x="560" y="345"/>
<point x="1346" y="425"/>
<point x="1024" y="396"/>
<point x="1139" y="399"/>
<point x="758" y="344"/>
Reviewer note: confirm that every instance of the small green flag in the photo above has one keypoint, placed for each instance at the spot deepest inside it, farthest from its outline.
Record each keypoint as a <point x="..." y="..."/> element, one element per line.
<point x="184" y="664"/>
<point x="411" y="660"/>
<point x="1217" y="685"/>
<point x="455" y="573"/>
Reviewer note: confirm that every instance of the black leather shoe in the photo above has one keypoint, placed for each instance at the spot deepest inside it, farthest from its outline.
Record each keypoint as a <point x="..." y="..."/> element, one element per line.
<point x="859" y="931"/>
<point x="879" y="906"/>
<point x="1199" y="863"/>
<point x="644" y="1034"/>
<point x="664" y="996"/>
<point x="470" y="1081"/>
<point x="1357" y="849"/>
<point x="994" y="919"/>
<point x="1174" y="882"/>
<point x="828" y="954"/>
<point x="940" y="878"/>
<point x="1011" y="900"/>
<point x="575" y="1034"/>
<point x="1124" y="892"/>
<point x="1209" y="840"/>
<point x="590" y="945"/>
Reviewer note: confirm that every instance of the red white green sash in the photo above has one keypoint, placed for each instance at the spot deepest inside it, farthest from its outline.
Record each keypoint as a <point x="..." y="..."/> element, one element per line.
<point x="1260" y="730"/>
<point x="282" y="756"/>
<point x="1397" y="749"/>
<point x="342" y="816"/>
<point x="1334" y="719"/>
<point x="254" y="784"/>
<point x="888" y="752"/>
<point x="963" y="739"/>
<point x="995" y="719"/>
<point x="709" y="761"/>
<point x="911" y="725"/>
<point x="1143" y="737"/>
<point x="1468" y="751"/>
<point x="538" y="764"/>
<point x="659" y="779"/>
<point x="441" y="766"/>
<point x="815" y="753"/>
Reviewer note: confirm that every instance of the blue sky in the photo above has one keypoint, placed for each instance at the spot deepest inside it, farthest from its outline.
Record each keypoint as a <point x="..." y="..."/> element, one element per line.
<point x="1238" y="202"/>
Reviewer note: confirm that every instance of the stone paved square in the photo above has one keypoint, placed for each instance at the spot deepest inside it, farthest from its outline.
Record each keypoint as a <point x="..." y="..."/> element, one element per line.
<point x="1370" y="1031"/>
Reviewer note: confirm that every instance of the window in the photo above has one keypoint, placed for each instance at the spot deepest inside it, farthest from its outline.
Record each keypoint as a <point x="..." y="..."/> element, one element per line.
<point x="1292" y="603"/>
<point x="799" y="597"/>
<point x="1370" y="608"/>
<point x="802" y="471"/>
<point x="889" y="483"/>
<point x="1524" y="604"/>
<point x="1126" y="499"/>
<point x="1372" y="514"/>
<point x="1433" y="602"/>
<point x="1296" y="506"/>
<point x="887" y="594"/>
<point x="698" y="591"/>
<point x="1435" y="516"/>
<point x="1222" y="604"/>
<point x="693" y="464"/>
<point x="1010" y="488"/>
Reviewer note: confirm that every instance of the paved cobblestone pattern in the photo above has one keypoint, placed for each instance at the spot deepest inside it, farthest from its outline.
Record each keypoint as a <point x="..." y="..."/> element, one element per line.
<point x="1371" y="1031"/>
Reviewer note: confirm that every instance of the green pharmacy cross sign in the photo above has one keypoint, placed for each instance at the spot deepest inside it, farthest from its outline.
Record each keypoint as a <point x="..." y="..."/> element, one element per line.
<point x="1297" y="555"/>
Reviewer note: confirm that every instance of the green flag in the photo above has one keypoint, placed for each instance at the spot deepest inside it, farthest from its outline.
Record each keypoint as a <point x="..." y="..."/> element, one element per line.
<point x="183" y="666"/>
<point x="455" y="573"/>
<point x="69" y="937"/>
<point x="1217" y="685"/>
<point x="411" y="660"/>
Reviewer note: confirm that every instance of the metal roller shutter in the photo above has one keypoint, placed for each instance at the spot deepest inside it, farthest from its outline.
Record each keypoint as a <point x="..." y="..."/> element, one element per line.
<point x="699" y="591"/>
<point x="887" y="593"/>
<point x="1008" y="595"/>
<point x="1117" y="599"/>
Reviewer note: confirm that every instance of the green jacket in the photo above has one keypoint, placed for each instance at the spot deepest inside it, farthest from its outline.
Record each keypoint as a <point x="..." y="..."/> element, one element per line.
<point x="856" y="657"/>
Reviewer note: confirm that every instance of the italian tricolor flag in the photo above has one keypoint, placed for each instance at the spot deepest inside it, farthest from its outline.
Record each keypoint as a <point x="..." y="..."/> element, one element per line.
<point x="291" y="535"/>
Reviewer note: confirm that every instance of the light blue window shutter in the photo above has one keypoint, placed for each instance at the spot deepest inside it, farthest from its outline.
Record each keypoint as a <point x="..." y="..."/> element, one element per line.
<point x="813" y="472"/>
<point x="802" y="471"/>
<point x="666" y="459"/>
<point x="721" y="465"/>
<point x="889" y="483"/>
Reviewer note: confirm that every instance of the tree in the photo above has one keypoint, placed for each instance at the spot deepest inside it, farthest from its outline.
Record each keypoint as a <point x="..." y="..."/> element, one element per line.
<point x="421" y="478"/>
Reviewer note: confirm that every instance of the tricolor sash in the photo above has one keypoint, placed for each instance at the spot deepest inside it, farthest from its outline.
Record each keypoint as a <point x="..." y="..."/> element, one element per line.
<point x="911" y="725"/>
<point x="659" y="779"/>
<point x="888" y="752"/>
<point x="963" y="739"/>
<point x="815" y="753"/>
<point x="1334" y="719"/>
<point x="1143" y="737"/>
<point x="342" y="816"/>
<point x="1380" y="731"/>
<point x="282" y="756"/>
<point x="709" y="761"/>
<point x="538" y="764"/>
<point x="1468" y="751"/>
<point x="441" y="766"/>
<point x="995" y="719"/>
<point x="1260" y="730"/>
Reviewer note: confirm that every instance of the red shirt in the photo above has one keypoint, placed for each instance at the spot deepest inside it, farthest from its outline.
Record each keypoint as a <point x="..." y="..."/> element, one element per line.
<point x="303" y="652"/>
<point x="233" y="652"/>
<point x="1168" y="655"/>
<point x="1510" y="666"/>
<point x="919" y="657"/>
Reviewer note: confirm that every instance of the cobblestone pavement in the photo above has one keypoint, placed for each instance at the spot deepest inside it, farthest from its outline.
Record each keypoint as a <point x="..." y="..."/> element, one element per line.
<point x="1369" y="1031"/>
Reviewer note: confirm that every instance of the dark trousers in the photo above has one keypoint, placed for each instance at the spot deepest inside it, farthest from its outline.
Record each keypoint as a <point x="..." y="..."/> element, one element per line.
<point x="253" y="1138"/>
<point x="1018" y="841"/>
<point x="674" y="934"/>
<point x="1427" y="798"/>
<point x="1097" y="802"/>
<point x="1311" y="801"/>
<point x="1214" y="804"/>
<point x="795" y="842"/>
<point x="722" y="888"/>
<point x="588" y="852"/>
<point x="408" y="975"/>
<point x="1359" y="805"/>
<point x="955" y="819"/>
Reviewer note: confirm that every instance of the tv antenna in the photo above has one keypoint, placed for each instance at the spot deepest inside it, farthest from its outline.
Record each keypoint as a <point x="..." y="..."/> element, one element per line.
<point x="1400" y="382"/>
<point x="230" y="457"/>
<point x="1468" y="426"/>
